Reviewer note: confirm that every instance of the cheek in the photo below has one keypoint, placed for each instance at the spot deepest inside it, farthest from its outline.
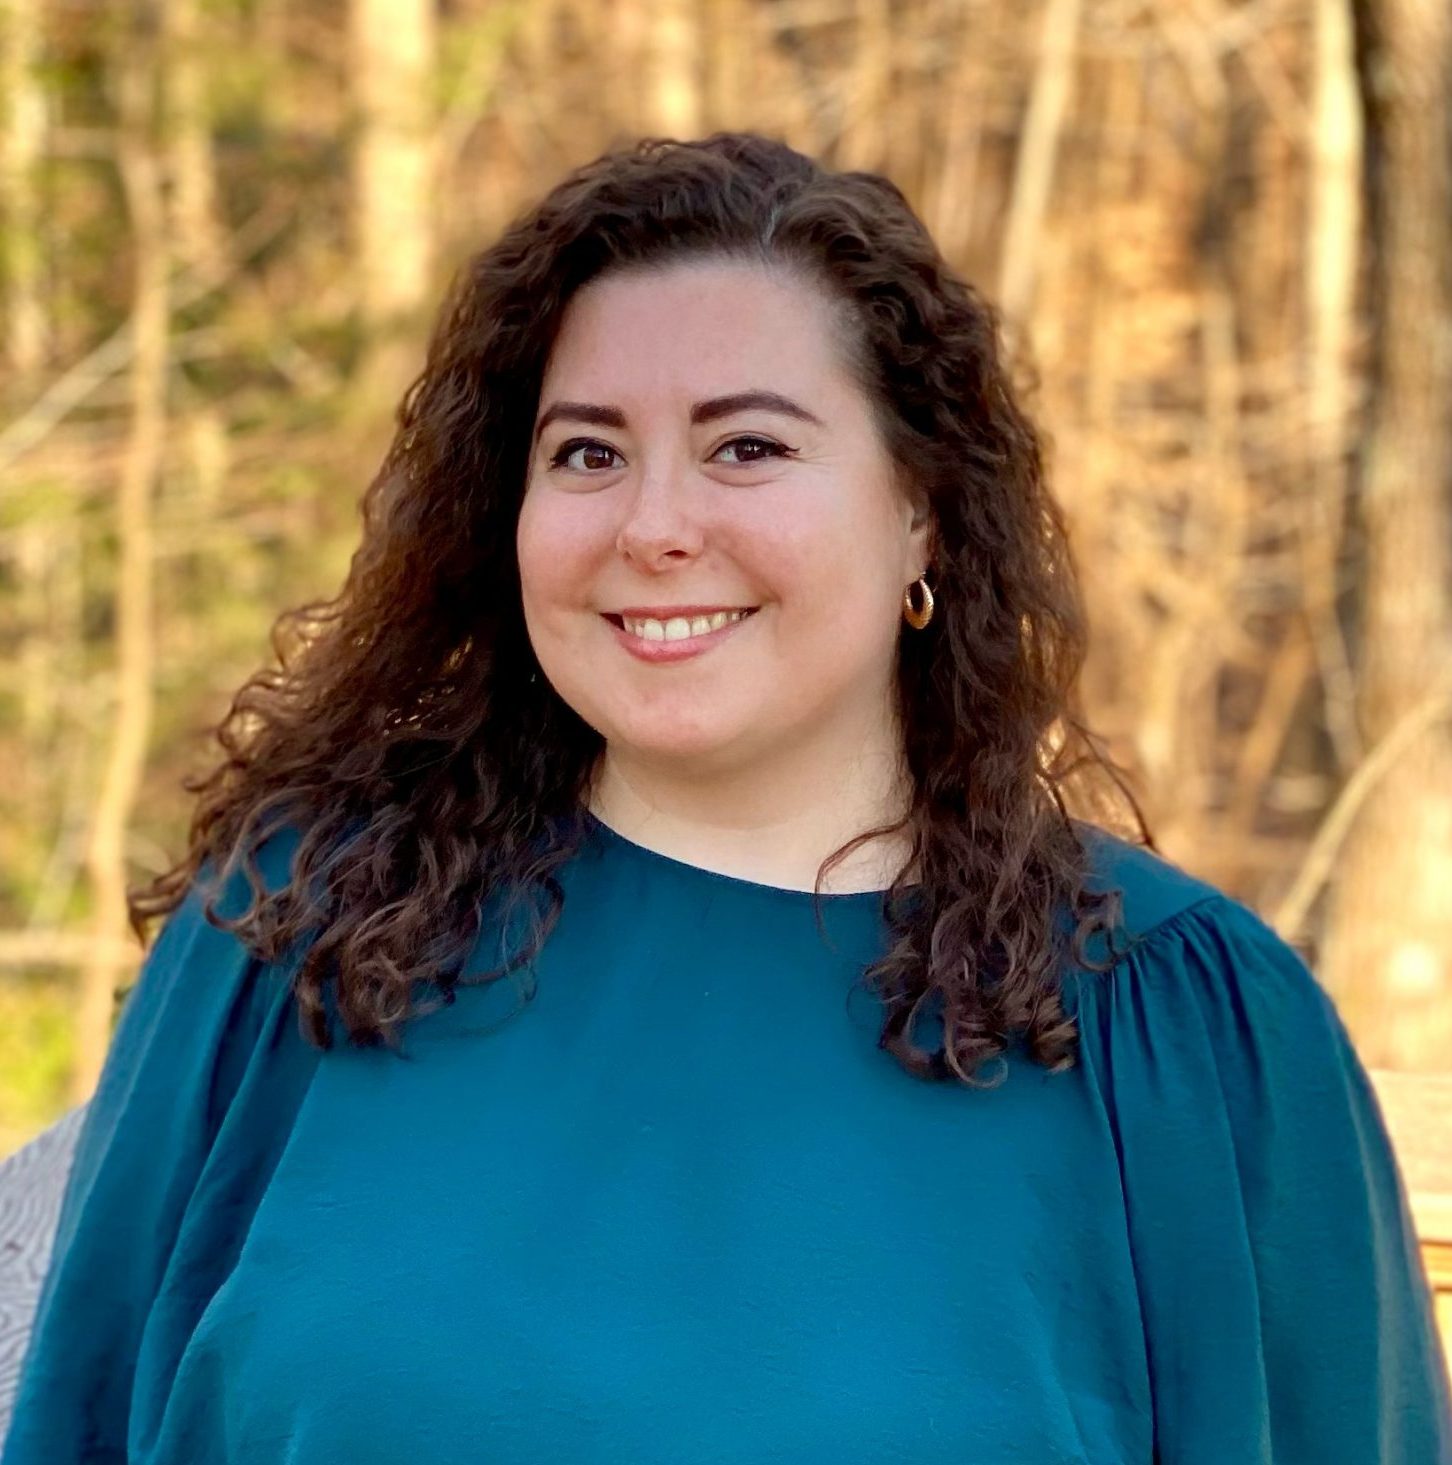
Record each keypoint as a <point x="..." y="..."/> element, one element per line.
<point x="811" y="560"/>
<point x="793" y="550"/>
<point x="556" y="545"/>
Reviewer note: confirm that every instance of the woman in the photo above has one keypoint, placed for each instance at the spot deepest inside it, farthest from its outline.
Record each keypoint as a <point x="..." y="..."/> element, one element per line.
<point x="713" y="542"/>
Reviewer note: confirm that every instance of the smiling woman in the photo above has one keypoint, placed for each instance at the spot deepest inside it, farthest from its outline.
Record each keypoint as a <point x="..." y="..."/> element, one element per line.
<point x="690" y="502"/>
<point x="710" y="663"/>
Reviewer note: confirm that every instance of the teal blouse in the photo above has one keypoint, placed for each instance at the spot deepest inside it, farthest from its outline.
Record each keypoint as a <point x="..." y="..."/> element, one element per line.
<point x="680" y="1209"/>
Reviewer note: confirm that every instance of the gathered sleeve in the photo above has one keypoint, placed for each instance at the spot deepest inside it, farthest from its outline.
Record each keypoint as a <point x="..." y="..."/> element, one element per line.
<point x="1288" y="1317"/>
<point x="186" y="1040"/>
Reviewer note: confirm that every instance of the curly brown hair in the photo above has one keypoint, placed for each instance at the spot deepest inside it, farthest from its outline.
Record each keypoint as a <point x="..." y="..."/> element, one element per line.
<point x="406" y="732"/>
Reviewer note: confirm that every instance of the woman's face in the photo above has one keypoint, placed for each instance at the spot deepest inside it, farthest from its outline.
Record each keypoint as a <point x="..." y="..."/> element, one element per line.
<point x="701" y="446"/>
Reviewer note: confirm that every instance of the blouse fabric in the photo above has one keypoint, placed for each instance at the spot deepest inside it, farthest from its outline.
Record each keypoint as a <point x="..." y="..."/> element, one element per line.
<point x="679" y="1207"/>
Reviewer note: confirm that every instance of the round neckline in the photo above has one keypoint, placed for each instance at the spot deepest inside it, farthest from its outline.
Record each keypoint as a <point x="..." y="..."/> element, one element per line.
<point x="738" y="882"/>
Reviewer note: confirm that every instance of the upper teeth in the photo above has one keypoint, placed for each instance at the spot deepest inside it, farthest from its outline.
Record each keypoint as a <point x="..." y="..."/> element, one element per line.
<point x="679" y="627"/>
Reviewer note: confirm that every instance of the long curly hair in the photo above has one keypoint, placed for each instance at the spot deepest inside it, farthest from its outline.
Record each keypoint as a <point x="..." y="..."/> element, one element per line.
<point x="407" y="732"/>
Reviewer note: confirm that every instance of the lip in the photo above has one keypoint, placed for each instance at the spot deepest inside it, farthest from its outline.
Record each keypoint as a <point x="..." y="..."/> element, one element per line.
<point x="682" y="650"/>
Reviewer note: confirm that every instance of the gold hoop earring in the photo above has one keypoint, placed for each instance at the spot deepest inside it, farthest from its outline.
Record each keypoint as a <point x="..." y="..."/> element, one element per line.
<point x="916" y="618"/>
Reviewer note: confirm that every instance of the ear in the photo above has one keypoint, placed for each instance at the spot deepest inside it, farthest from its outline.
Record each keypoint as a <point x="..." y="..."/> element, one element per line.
<point x="920" y="523"/>
<point x="922" y="537"/>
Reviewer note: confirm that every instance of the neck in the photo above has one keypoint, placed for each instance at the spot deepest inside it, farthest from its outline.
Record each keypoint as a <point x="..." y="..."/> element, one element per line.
<point x="773" y="821"/>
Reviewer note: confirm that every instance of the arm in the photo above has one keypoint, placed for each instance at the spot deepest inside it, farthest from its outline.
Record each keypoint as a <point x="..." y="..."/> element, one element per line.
<point x="183" y="1038"/>
<point x="1288" y="1316"/>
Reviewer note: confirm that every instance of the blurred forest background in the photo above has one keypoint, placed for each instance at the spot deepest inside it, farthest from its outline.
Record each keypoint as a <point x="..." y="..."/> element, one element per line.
<point x="1219" y="231"/>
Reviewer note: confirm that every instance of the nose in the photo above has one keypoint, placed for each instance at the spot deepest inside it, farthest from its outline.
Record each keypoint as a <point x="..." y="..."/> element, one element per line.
<point x="660" y="525"/>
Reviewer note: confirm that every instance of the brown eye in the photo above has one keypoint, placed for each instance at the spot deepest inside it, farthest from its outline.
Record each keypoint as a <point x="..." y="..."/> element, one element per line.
<point x="592" y="450"/>
<point x="760" y="449"/>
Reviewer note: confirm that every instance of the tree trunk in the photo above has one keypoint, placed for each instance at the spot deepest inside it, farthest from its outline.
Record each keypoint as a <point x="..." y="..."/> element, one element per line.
<point x="1333" y="235"/>
<point x="130" y="722"/>
<point x="22" y="128"/>
<point x="393" y="63"/>
<point x="196" y="230"/>
<point x="675" y="84"/>
<point x="1389" y="946"/>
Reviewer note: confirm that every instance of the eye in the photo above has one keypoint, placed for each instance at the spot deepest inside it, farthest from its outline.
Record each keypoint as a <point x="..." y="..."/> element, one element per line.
<point x="772" y="450"/>
<point x="747" y="450"/>
<point x="567" y="450"/>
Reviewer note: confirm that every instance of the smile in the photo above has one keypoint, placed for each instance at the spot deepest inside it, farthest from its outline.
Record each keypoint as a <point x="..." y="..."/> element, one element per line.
<point x="679" y="637"/>
<point x="678" y="628"/>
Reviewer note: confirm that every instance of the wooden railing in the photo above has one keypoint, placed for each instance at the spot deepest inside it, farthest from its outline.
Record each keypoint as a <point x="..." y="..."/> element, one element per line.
<point x="1418" y="1110"/>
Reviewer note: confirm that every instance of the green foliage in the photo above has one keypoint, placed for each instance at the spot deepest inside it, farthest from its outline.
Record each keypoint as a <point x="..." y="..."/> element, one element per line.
<point x="35" y="1055"/>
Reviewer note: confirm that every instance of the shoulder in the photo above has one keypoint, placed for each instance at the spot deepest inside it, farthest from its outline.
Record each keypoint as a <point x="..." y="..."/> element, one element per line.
<point x="265" y="862"/>
<point x="199" y="974"/>
<point x="1153" y="890"/>
<point x="1182" y="939"/>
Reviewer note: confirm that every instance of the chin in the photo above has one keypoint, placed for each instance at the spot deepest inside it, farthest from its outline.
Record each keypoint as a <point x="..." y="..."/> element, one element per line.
<point x="672" y="740"/>
<point x="697" y="745"/>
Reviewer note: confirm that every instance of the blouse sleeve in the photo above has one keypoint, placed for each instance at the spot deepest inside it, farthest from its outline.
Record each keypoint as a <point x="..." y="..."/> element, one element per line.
<point x="1288" y="1318"/>
<point x="183" y="1040"/>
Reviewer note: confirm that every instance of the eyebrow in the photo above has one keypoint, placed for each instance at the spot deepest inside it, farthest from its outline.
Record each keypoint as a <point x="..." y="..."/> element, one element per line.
<point x="706" y="411"/>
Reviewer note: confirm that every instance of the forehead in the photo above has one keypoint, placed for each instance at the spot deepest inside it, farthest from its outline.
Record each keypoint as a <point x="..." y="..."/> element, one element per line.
<point x="698" y="325"/>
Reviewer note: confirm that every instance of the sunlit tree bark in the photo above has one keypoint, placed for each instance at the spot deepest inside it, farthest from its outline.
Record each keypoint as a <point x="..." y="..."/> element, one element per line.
<point x="1333" y="238"/>
<point x="675" y="55"/>
<point x="196" y="231"/>
<point x="1389" y="950"/>
<point x="22" y="130"/>
<point x="129" y="725"/>
<point x="392" y="48"/>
